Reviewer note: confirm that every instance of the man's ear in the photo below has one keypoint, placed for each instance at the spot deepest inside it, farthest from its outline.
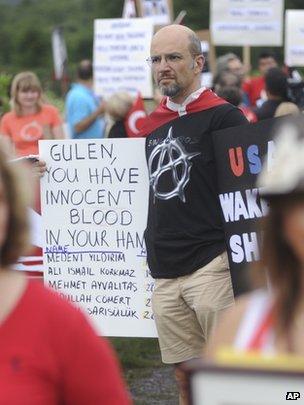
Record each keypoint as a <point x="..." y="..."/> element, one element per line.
<point x="199" y="63"/>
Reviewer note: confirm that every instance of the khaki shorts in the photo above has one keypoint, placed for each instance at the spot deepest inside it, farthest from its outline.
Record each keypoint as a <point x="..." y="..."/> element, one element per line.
<point x="186" y="309"/>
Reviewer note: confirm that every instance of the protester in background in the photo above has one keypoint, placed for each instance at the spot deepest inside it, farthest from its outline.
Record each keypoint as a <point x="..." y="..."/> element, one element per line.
<point x="230" y="71"/>
<point x="49" y="352"/>
<point x="30" y="119"/>
<point x="276" y="88"/>
<point x="225" y="79"/>
<point x="271" y="321"/>
<point x="230" y="63"/>
<point x="233" y="95"/>
<point x="184" y="235"/>
<point x="84" y="110"/>
<point x="128" y="113"/>
<point x="254" y="87"/>
<point x="117" y="107"/>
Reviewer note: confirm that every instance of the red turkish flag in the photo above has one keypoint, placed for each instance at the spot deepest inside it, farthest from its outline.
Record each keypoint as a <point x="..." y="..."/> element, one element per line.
<point x="136" y="118"/>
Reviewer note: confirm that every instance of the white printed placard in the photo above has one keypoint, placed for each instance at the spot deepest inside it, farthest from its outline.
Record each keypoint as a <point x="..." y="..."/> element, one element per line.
<point x="247" y="22"/>
<point x="94" y="200"/>
<point x="294" y="38"/>
<point x="121" y="47"/>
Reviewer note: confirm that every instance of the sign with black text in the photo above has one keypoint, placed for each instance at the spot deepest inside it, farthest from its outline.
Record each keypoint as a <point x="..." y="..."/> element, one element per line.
<point x="121" y="47"/>
<point x="94" y="200"/>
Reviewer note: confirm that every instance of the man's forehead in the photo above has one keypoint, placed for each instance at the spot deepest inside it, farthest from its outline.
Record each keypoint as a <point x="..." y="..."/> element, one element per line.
<point x="170" y="44"/>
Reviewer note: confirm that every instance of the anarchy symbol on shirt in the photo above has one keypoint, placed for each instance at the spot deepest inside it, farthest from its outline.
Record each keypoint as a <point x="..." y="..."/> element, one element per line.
<point x="170" y="156"/>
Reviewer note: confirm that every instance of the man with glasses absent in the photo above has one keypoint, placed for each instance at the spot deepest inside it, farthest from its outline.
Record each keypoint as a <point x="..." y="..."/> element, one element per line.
<point x="184" y="235"/>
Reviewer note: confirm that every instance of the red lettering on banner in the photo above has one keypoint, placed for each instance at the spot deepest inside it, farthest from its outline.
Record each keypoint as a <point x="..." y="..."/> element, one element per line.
<point x="236" y="160"/>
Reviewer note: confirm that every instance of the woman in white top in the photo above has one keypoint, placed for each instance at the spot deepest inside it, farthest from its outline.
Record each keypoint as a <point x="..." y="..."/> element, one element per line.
<point x="273" y="321"/>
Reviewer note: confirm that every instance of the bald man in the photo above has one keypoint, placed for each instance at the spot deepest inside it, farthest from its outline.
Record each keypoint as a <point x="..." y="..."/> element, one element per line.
<point x="184" y="234"/>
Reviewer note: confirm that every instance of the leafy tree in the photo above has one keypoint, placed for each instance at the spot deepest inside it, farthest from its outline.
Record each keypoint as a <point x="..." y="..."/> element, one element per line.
<point x="5" y="81"/>
<point x="26" y="27"/>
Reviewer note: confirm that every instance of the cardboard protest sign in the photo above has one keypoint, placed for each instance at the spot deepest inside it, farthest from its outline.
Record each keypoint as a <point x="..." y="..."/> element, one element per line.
<point x="94" y="208"/>
<point x="240" y="153"/>
<point x="247" y="22"/>
<point x="294" y="38"/>
<point x="121" y="47"/>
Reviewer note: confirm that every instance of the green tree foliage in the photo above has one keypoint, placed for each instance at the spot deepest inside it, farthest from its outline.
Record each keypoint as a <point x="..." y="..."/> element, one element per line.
<point x="26" y="26"/>
<point x="197" y="16"/>
<point x="5" y="81"/>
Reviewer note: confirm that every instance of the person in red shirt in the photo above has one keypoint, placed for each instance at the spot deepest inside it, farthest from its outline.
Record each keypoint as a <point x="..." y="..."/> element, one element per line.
<point x="49" y="353"/>
<point x="254" y="87"/>
<point x="30" y="119"/>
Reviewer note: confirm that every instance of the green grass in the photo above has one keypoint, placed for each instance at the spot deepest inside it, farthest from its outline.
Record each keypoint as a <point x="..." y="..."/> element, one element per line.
<point x="137" y="352"/>
<point x="149" y="380"/>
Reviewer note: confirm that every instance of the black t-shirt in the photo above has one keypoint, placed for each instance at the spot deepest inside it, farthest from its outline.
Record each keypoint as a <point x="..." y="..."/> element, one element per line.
<point x="184" y="230"/>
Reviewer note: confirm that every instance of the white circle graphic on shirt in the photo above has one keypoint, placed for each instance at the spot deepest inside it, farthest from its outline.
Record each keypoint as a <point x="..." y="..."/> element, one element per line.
<point x="31" y="131"/>
<point x="136" y="115"/>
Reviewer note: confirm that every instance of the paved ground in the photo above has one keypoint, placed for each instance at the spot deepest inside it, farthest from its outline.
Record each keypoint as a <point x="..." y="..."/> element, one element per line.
<point x="153" y="387"/>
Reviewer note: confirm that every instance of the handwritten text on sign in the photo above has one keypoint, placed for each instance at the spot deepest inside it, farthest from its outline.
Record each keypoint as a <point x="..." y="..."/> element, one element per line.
<point x="121" y="47"/>
<point x="94" y="208"/>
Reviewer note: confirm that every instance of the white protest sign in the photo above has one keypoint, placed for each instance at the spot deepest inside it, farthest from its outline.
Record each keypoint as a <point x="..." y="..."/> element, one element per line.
<point x="121" y="47"/>
<point x="94" y="209"/>
<point x="247" y="22"/>
<point x="294" y="38"/>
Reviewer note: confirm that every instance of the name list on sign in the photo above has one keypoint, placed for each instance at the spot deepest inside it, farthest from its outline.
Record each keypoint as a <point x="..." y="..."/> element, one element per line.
<point x="94" y="203"/>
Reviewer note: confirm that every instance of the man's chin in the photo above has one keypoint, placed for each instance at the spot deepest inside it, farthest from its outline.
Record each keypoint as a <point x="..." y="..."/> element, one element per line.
<point x="170" y="91"/>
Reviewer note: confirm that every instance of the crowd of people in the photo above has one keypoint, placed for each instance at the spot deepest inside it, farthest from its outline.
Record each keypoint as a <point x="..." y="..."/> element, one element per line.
<point x="59" y="359"/>
<point x="86" y="116"/>
<point x="259" y="97"/>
